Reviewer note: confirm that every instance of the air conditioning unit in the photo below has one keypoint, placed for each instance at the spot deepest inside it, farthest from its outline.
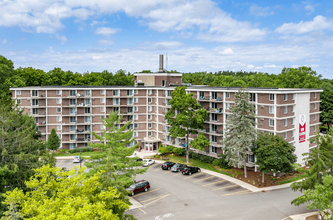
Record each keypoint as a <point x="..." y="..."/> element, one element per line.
<point x="261" y="106"/>
<point x="261" y="119"/>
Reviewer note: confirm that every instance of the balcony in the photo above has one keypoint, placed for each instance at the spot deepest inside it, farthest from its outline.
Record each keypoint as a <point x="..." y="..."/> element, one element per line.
<point x="216" y="110"/>
<point x="41" y="123"/>
<point x="207" y="153"/>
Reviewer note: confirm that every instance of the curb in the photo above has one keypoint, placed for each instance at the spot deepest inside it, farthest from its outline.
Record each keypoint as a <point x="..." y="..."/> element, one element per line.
<point x="302" y="216"/>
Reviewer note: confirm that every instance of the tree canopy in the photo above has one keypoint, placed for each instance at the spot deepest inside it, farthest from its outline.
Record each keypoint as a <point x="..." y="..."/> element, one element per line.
<point x="53" y="142"/>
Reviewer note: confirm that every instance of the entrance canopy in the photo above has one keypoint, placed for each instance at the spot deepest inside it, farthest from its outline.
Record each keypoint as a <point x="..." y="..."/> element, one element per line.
<point x="151" y="140"/>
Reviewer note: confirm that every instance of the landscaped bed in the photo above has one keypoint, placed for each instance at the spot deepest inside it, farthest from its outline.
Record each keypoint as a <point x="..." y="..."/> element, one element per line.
<point x="253" y="178"/>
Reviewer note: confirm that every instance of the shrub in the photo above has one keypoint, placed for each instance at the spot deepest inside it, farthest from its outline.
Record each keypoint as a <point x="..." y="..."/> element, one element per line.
<point x="179" y="151"/>
<point x="162" y="150"/>
<point x="223" y="162"/>
<point x="157" y="156"/>
<point x="216" y="162"/>
<point x="170" y="149"/>
<point x="83" y="149"/>
<point x="63" y="151"/>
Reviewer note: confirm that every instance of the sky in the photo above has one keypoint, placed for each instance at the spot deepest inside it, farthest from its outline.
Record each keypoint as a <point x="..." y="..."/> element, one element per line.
<point x="199" y="35"/>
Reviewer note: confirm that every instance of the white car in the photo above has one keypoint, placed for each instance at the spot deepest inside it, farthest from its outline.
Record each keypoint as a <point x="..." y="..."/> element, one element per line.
<point x="148" y="162"/>
<point x="77" y="159"/>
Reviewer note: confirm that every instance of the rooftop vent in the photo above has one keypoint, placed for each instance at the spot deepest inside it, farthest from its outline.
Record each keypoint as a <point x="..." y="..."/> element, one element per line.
<point x="161" y="70"/>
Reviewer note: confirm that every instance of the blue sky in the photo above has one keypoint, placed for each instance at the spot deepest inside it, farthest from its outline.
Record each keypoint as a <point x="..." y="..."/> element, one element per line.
<point x="199" y="35"/>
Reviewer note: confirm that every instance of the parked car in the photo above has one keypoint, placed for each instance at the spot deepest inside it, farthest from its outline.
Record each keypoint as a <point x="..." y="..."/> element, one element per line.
<point x="139" y="186"/>
<point x="139" y="159"/>
<point x="148" y="162"/>
<point x="190" y="170"/>
<point x="178" y="167"/>
<point x="77" y="159"/>
<point x="167" y="165"/>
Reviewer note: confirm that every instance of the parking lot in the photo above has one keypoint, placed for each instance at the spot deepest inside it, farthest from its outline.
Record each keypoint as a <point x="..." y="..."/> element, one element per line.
<point x="68" y="163"/>
<point x="204" y="196"/>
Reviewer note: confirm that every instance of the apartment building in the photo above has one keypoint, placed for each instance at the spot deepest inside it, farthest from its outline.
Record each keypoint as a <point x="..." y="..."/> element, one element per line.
<point x="76" y="111"/>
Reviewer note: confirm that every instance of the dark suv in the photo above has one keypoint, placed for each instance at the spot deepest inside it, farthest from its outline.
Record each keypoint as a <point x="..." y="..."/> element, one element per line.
<point x="139" y="186"/>
<point x="190" y="170"/>
<point x="167" y="165"/>
<point x="178" y="167"/>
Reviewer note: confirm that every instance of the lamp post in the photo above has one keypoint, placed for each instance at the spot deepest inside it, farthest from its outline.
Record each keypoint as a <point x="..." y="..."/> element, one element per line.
<point x="80" y="158"/>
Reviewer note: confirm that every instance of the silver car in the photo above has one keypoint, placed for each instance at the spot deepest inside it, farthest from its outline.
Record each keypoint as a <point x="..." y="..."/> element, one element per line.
<point x="77" y="159"/>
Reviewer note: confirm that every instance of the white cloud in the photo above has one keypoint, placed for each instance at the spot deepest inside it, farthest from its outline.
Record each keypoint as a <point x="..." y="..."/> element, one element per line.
<point x="319" y="23"/>
<point x="62" y="38"/>
<point x="260" y="11"/>
<point x="106" y="31"/>
<point x="165" y="45"/>
<point x="250" y="66"/>
<point x="272" y="66"/>
<point x="107" y="42"/>
<point x="4" y="41"/>
<point x="227" y="51"/>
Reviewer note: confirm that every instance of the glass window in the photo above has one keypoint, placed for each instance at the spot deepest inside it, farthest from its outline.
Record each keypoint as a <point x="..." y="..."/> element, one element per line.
<point x="271" y="122"/>
<point x="285" y="135"/>
<point x="58" y="110"/>
<point x="87" y="127"/>
<point x="59" y="127"/>
<point x="87" y="110"/>
<point x="227" y="94"/>
<point x="72" y="145"/>
<point x="252" y="97"/>
<point x="72" y="92"/>
<point x="115" y="92"/>
<point x="35" y="111"/>
<point x="214" y="95"/>
<point x="285" y="122"/>
<point x="102" y="100"/>
<point x="103" y="92"/>
<point x="163" y="82"/>
<point x="135" y="125"/>
<point x="149" y="133"/>
<point x="315" y="95"/>
<point x="292" y="121"/>
<point x="129" y="101"/>
<point x="214" y="117"/>
<point x="314" y="128"/>
<point x="58" y="101"/>
<point x="271" y="97"/>
<point x="72" y="119"/>
<point x="116" y="101"/>
<point x="36" y="120"/>
<point x="149" y="100"/>
<point x="214" y="139"/>
<point x="102" y="109"/>
<point x="227" y="105"/>
<point x="34" y="92"/>
<point x="149" y="91"/>
<point x="135" y="91"/>
<point x="314" y="117"/>
<point x="72" y="110"/>
<point x="314" y="105"/>
<point x="292" y="133"/>
<point x="285" y="109"/>
<point x="18" y="92"/>
<point x="285" y="97"/>
<point x="135" y="117"/>
<point x="271" y="109"/>
<point x="87" y="119"/>
<point x="149" y="117"/>
<point x="136" y="108"/>
<point x="18" y="101"/>
<point x="87" y="101"/>
<point x="58" y="118"/>
<point x="130" y="92"/>
<point x="292" y="108"/>
<point x="149" y="125"/>
<point x="292" y="96"/>
<point x="72" y="102"/>
<point x="115" y="109"/>
<point x="58" y="92"/>
<point x="129" y="109"/>
<point x="34" y="102"/>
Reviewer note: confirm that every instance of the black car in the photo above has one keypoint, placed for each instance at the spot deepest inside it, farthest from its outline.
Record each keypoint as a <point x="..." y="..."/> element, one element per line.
<point x="190" y="170"/>
<point x="167" y="165"/>
<point x="178" y="167"/>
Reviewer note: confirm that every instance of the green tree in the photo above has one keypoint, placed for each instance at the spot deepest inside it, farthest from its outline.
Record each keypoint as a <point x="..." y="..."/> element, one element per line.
<point x="190" y="116"/>
<point x="240" y="134"/>
<point x="20" y="151"/>
<point x="318" y="162"/>
<point x="34" y="77"/>
<point x="273" y="153"/>
<point x="120" y="169"/>
<point x="326" y="105"/>
<point x="318" y="198"/>
<point x="56" y="194"/>
<point x="200" y="142"/>
<point x="302" y="77"/>
<point x="53" y="142"/>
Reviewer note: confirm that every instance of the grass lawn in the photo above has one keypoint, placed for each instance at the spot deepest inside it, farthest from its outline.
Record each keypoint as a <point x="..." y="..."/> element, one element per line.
<point x="295" y="178"/>
<point x="196" y="163"/>
<point x="77" y="154"/>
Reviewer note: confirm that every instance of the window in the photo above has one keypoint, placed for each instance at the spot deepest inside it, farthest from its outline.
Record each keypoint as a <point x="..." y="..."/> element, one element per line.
<point x="87" y="127"/>
<point x="149" y="92"/>
<point x="72" y="145"/>
<point x="116" y="109"/>
<point x="72" y="92"/>
<point x="129" y="92"/>
<point x="285" y="135"/>
<point x="135" y="117"/>
<point x="18" y="92"/>
<point x="136" y="125"/>
<point x="102" y="100"/>
<point x="214" y="95"/>
<point x="314" y="105"/>
<point x="169" y="92"/>
<point x="314" y="128"/>
<point x="58" y="101"/>
<point x="315" y="95"/>
<point x="149" y="108"/>
<point x="58" y="110"/>
<point x="58" y="92"/>
<point x="285" y="109"/>
<point x="227" y="94"/>
<point x="293" y="96"/>
<point x="149" y="125"/>
<point x="58" y="118"/>
<point x="103" y="92"/>
<point x="149" y="117"/>
<point x="314" y="117"/>
<point x="116" y="101"/>
<point x="129" y="101"/>
<point x="214" y="127"/>
<point x="102" y="109"/>
<point x="87" y="101"/>
<point x="129" y="109"/>
<point x="214" y="117"/>
<point x="292" y="108"/>
<point x="163" y="82"/>
<point x="252" y="97"/>
<point x="135" y="134"/>
<point x="136" y="108"/>
<point x="72" y="102"/>
<point x="102" y="127"/>
<point x="227" y="105"/>
<point x="102" y="117"/>
<point x="135" y="91"/>
<point x="251" y="158"/>
<point x="18" y="101"/>
<point x="226" y="117"/>
<point x="292" y="133"/>
<point x="214" y="139"/>
<point x="59" y="127"/>
<point x="34" y="102"/>
<point x="149" y="100"/>
<point x="149" y="133"/>
<point x="87" y="110"/>
<point x="271" y="122"/>
<point x="271" y="97"/>
<point x="87" y="93"/>
<point x="292" y="121"/>
<point x="35" y="111"/>
<point x="72" y="110"/>
<point x="72" y="119"/>
<point x="285" y="122"/>
<point x="34" y="93"/>
<point x="135" y="100"/>
<point x="214" y="105"/>
<point x="87" y="119"/>
<point x="271" y="109"/>
<point x="36" y="120"/>
<point x="115" y="92"/>
<point x="285" y="97"/>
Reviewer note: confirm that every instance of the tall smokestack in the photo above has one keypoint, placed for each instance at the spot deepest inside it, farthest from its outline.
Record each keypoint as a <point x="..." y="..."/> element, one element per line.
<point x="161" y="70"/>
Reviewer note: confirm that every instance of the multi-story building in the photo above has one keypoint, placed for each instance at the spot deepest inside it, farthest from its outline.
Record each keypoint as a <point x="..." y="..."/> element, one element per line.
<point x="76" y="111"/>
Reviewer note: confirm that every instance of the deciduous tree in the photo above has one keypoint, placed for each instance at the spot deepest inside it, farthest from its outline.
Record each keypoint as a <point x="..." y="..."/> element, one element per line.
<point x="240" y="134"/>
<point x="273" y="153"/>
<point x="53" y="142"/>
<point x="185" y="115"/>
<point x="200" y="142"/>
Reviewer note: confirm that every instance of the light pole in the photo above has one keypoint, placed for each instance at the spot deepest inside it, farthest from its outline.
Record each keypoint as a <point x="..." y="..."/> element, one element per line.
<point x="80" y="158"/>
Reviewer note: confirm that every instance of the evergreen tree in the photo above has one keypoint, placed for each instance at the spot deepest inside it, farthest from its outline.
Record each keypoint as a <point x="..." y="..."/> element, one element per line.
<point x="119" y="170"/>
<point x="190" y="116"/>
<point x="240" y="134"/>
<point x="53" y="142"/>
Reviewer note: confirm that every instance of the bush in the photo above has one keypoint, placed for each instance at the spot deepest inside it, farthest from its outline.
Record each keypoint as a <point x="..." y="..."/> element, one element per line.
<point x="223" y="162"/>
<point x="63" y="151"/>
<point x="83" y="149"/>
<point x="216" y="162"/>
<point x="179" y="151"/>
<point x="162" y="150"/>
<point x="170" y="149"/>
<point x="157" y="156"/>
